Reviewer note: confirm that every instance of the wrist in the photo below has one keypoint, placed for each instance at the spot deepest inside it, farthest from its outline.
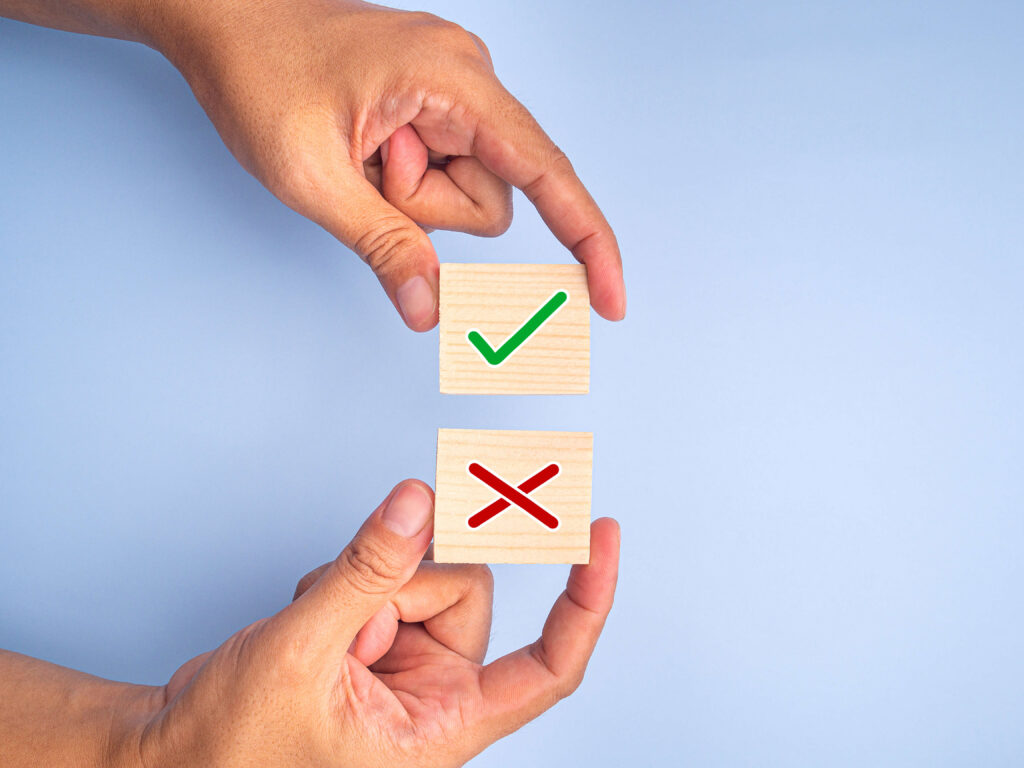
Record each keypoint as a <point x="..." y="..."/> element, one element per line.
<point x="54" y="716"/>
<point x="174" y="27"/>
<point x="191" y="33"/>
<point x="131" y="708"/>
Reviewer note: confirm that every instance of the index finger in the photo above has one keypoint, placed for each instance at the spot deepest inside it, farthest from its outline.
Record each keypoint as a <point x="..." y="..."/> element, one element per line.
<point x="510" y="142"/>
<point x="520" y="686"/>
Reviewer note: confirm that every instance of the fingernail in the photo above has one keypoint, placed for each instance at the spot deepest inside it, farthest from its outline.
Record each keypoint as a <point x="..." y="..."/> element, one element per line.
<point x="416" y="301"/>
<point x="408" y="511"/>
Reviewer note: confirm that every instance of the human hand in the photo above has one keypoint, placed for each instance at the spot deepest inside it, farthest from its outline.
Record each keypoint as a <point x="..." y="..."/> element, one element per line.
<point x="378" y="661"/>
<point x="377" y="123"/>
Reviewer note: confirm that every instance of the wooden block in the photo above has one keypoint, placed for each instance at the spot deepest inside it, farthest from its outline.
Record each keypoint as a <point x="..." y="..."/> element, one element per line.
<point x="557" y="527"/>
<point x="497" y="302"/>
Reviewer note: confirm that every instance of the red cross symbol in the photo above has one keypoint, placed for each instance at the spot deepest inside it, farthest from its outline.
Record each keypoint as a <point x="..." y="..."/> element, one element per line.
<point x="512" y="495"/>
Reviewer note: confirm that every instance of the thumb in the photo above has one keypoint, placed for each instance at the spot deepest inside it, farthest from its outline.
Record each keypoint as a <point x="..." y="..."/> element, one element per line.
<point x="381" y="558"/>
<point x="396" y="248"/>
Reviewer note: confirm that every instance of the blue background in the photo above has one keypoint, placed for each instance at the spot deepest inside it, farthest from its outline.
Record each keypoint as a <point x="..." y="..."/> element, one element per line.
<point x="810" y="424"/>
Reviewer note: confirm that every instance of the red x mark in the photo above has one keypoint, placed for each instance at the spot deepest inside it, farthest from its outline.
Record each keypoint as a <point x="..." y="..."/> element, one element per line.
<point x="512" y="495"/>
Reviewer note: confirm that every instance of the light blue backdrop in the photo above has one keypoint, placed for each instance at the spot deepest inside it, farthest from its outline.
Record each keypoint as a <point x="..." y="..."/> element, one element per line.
<point x="810" y="425"/>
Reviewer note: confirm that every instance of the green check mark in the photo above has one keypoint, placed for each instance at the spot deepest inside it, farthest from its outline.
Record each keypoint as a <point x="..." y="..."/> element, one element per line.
<point x="498" y="356"/>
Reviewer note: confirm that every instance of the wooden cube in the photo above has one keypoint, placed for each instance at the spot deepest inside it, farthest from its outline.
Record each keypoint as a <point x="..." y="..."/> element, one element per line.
<point x="512" y="496"/>
<point x="514" y="329"/>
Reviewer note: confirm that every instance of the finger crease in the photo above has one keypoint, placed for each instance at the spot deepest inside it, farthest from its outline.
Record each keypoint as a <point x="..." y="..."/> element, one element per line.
<point x="581" y="606"/>
<point x="582" y="240"/>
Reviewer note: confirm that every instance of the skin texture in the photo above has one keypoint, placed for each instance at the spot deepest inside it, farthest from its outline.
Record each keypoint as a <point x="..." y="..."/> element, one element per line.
<point x="378" y="661"/>
<point x="377" y="124"/>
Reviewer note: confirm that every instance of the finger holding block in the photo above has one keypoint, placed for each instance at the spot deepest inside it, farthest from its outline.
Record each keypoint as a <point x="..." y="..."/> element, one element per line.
<point x="514" y="329"/>
<point x="505" y="496"/>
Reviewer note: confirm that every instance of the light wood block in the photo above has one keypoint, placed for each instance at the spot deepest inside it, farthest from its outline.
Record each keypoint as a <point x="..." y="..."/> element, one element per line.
<point x="512" y="535"/>
<point x="497" y="300"/>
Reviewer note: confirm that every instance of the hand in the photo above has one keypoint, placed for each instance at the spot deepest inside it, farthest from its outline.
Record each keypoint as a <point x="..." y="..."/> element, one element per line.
<point x="378" y="661"/>
<point x="378" y="124"/>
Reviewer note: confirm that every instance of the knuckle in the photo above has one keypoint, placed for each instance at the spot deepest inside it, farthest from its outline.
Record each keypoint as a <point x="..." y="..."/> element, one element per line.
<point x="426" y="19"/>
<point x="563" y="683"/>
<point x="441" y="35"/>
<point x="497" y="220"/>
<point x="482" y="579"/>
<point x="559" y="161"/>
<point x="304" y="584"/>
<point x="569" y="684"/>
<point x="309" y="580"/>
<point x="385" y="246"/>
<point x="555" y="165"/>
<point x="369" y="569"/>
<point x="450" y="32"/>
<point x="481" y="46"/>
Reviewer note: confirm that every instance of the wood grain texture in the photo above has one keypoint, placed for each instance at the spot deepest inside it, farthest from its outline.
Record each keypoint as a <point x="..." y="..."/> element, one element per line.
<point x="513" y="536"/>
<point x="496" y="300"/>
